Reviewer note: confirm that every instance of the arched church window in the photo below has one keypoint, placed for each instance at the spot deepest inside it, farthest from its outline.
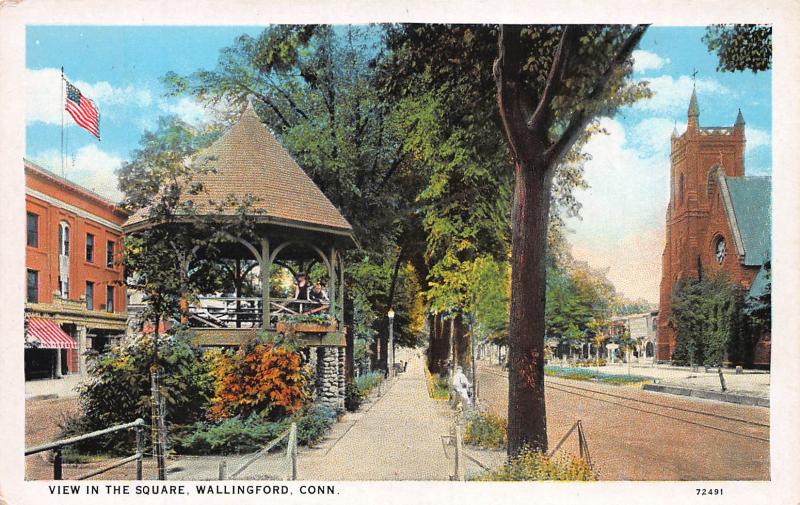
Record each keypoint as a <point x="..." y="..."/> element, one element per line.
<point x="720" y="249"/>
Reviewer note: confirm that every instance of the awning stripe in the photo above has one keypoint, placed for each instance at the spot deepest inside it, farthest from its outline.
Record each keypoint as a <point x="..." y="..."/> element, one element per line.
<point x="49" y="334"/>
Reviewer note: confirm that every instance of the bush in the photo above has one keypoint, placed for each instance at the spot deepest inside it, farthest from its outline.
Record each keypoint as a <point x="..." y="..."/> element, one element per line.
<point x="367" y="382"/>
<point x="438" y="388"/>
<point x="117" y="389"/>
<point x="263" y="378"/>
<point x="530" y="465"/>
<point x="230" y="436"/>
<point x="235" y="435"/>
<point x="312" y="426"/>
<point x="352" y="397"/>
<point x="486" y="430"/>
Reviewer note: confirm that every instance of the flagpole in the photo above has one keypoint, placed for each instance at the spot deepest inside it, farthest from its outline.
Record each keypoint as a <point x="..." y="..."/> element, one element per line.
<point x="62" y="121"/>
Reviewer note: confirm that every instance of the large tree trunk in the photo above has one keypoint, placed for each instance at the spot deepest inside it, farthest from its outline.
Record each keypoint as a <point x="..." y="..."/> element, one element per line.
<point x="527" y="424"/>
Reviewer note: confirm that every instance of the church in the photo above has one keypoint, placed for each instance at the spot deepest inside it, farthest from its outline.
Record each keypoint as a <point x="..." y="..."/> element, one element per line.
<point x="718" y="218"/>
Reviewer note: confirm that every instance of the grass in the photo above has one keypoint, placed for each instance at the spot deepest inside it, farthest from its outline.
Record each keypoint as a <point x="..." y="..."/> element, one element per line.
<point x="585" y="374"/>
<point x="437" y="387"/>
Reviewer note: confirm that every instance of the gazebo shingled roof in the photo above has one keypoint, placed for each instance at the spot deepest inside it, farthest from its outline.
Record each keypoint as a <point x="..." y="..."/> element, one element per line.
<point x="249" y="161"/>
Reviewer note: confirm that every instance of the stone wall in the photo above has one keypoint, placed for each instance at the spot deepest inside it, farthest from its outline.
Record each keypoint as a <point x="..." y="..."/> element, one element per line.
<point x="330" y="380"/>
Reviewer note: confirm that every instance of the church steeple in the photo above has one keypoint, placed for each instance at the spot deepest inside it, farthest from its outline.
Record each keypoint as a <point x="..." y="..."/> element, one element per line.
<point x="739" y="119"/>
<point x="694" y="112"/>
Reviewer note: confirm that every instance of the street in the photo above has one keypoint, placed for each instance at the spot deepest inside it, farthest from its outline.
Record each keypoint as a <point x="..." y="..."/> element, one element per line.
<point x="638" y="435"/>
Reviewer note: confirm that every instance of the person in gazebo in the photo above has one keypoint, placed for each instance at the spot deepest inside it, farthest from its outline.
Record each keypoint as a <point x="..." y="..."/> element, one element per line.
<point x="302" y="289"/>
<point x="318" y="295"/>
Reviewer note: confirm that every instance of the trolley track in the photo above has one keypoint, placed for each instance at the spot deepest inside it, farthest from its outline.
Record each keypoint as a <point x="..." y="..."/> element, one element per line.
<point x="746" y="428"/>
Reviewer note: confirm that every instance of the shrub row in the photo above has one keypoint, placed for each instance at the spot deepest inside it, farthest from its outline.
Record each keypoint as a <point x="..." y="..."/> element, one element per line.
<point x="437" y="386"/>
<point x="533" y="465"/>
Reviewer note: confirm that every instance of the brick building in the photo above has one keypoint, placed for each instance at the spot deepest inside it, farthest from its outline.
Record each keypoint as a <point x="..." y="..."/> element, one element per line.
<point x="75" y="299"/>
<point x="717" y="218"/>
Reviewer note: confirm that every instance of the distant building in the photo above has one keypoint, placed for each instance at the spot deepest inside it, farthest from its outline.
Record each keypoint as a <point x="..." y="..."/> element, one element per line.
<point x="75" y="297"/>
<point x="642" y="329"/>
<point x="718" y="219"/>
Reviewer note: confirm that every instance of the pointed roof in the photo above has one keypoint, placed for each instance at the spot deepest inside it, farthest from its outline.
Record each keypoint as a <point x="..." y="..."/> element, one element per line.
<point x="739" y="119"/>
<point x="675" y="131"/>
<point x="747" y="202"/>
<point x="694" y="110"/>
<point x="248" y="161"/>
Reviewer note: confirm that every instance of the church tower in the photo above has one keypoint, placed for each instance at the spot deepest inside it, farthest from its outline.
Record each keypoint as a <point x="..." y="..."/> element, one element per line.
<point x="697" y="158"/>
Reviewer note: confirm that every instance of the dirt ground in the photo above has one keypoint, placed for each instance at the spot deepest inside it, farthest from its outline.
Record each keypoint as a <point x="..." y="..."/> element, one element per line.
<point x="667" y="438"/>
<point x="42" y="424"/>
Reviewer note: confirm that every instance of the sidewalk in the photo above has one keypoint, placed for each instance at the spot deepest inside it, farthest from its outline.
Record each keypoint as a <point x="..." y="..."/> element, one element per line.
<point x="398" y="438"/>
<point x="53" y="388"/>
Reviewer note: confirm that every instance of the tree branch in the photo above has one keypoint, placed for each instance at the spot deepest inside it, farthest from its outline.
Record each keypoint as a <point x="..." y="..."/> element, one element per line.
<point x="538" y="122"/>
<point x="580" y="120"/>
<point x="506" y="72"/>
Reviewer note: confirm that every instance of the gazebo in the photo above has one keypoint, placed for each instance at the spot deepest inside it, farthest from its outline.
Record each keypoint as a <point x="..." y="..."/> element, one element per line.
<point x="292" y="221"/>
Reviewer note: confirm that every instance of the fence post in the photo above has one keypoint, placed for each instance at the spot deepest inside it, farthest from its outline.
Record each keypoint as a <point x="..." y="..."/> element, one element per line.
<point x="222" y="466"/>
<point x="291" y="452"/>
<point x="57" y="464"/>
<point x="139" y="449"/>
<point x="580" y="439"/>
<point x="459" y="470"/>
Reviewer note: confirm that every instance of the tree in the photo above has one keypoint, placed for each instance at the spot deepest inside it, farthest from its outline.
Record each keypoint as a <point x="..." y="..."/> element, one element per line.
<point x="740" y="47"/>
<point x="551" y="82"/>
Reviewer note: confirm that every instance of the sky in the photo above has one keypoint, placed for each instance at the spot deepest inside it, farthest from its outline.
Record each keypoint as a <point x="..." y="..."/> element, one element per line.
<point x="621" y="228"/>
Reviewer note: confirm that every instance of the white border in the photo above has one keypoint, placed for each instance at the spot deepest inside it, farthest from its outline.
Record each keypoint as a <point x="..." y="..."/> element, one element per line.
<point x="784" y="15"/>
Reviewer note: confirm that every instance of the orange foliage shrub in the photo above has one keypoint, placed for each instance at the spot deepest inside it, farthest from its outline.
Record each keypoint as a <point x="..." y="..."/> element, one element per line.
<point x="266" y="379"/>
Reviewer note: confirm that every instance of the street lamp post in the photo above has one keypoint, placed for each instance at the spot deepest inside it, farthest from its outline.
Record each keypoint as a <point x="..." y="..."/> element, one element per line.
<point x="390" y="350"/>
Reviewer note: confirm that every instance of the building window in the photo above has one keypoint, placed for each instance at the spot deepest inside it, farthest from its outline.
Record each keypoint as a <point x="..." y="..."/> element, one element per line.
<point x="33" y="230"/>
<point x="33" y="286"/>
<point x="90" y="295"/>
<point x="63" y="259"/>
<point x="63" y="239"/>
<point x="110" y="298"/>
<point x="110" y="254"/>
<point x="720" y="250"/>
<point x="682" y="189"/>
<point x="90" y="248"/>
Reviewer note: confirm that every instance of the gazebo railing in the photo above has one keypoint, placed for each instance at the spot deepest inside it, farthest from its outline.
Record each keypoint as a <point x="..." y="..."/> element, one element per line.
<point x="233" y="312"/>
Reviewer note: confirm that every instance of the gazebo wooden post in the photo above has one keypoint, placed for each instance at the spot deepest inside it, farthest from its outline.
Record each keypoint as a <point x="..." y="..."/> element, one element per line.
<point x="341" y="290"/>
<point x="332" y="289"/>
<point x="265" y="266"/>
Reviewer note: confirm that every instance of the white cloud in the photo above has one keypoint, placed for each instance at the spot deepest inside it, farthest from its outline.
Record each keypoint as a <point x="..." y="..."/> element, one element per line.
<point x="670" y="94"/>
<point x="756" y="138"/>
<point x="628" y="177"/>
<point x="188" y="109"/>
<point x="43" y="96"/>
<point x="646" y="60"/>
<point x="93" y="168"/>
<point x="652" y="135"/>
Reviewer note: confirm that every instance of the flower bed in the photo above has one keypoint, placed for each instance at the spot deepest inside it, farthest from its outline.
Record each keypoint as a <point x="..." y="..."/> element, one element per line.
<point x="586" y="374"/>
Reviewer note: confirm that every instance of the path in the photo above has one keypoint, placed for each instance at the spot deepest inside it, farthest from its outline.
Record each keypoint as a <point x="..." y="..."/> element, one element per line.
<point x="398" y="438"/>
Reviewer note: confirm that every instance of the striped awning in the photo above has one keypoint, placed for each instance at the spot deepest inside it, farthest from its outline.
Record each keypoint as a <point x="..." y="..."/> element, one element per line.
<point x="49" y="334"/>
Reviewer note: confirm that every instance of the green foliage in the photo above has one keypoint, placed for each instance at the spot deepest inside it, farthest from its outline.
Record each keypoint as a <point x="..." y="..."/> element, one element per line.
<point x="118" y="388"/>
<point x="486" y="430"/>
<point x="741" y="47"/>
<point x="710" y="322"/>
<point x="229" y="436"/>
<point x="438" y="389"/>
<point x="236" y="435"/>
<point x="488" y="294"/>
<point x="365" y="383"/>
<point x="533" y="465"/>
<point x="352" y="397"/>
<point x="311" y="427"/>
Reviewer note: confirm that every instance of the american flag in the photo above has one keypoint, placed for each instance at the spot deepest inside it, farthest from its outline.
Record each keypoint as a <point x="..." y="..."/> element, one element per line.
<point x="82" y="110"/>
